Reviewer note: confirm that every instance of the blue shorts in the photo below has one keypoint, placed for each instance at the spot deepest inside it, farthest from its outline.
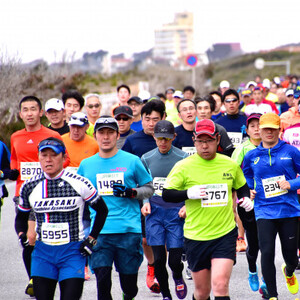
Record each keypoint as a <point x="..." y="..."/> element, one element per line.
<point x="123" y="249"/>
<point x="164" y="227"/>
<point x="57" y="262"/>
<point x="200" y="253"/>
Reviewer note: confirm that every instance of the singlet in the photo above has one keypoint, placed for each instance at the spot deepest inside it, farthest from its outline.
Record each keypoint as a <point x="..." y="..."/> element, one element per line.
<point x="58" y="205"/>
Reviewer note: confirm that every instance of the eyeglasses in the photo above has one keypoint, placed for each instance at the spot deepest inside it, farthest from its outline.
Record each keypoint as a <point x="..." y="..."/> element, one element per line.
<point x="209" y="142"/>
<point x="91" y="106"/>
<point x="84" y="120"/>
<point x="231" y="100"/>
<point x="163" y="138"/>
<point x="191" y="108"/>
<point x="55" y="143"/>
<point x="106" y="120"/>
<point x="122" y="118"/>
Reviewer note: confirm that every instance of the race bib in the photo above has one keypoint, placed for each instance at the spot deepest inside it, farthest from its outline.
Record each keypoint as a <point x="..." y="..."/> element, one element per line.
<point x="30" y="169"/>
<point x="271" y="186"/>
<point x="189" y="150"/>
<point x="55" y="233"/>
<point x="217" y="195"/>
<point x="236" y="138"/>
<point x="158" y="184"/>
<point x="105" y="182"/>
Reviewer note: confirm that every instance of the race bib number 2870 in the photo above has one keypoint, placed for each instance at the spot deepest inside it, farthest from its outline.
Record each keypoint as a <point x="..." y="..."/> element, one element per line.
<point x="29" y="169"/>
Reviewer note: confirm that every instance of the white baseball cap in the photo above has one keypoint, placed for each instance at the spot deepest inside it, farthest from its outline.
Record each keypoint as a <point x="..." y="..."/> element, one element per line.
<point x="54" y="103"/>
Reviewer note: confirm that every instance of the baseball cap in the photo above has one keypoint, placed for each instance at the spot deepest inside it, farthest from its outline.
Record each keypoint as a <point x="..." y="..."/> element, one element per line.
<point x="54" y="103"/>
<point x="79" y="119"/>
<point x="289" y="92"/>
<point x="178" y="94"/>
<point x="136" y="99"/>
<point x="170" y="88"/>
<point x="123" y="110"/>
<point x="251" y="117"/>
<point x="106" y="122"/>
<point x="269" y="120"/>
<point x="164" y="129"/>
<point x="246" y="93"/>
<point x="55" y="144"/>
<point x="266" y="83"/>
<point x="207" y="127"/>
<point x="251" y="83"/>
<point x="224" y="84"/>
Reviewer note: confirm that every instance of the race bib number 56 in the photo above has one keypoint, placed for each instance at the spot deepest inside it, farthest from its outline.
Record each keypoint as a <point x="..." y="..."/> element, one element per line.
<point x="105" y="182"/>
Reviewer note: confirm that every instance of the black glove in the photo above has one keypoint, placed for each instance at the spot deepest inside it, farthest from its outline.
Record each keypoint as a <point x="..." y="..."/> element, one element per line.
<point x="10" y="174"/>
<point x="86" y="247"/>
<point x="23" y="240"/>
<point x="120" y="190"/>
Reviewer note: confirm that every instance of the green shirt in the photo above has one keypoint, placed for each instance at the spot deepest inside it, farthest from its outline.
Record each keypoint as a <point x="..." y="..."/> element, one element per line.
<point x="212" y="218"/>
<point x="239" y="153"/>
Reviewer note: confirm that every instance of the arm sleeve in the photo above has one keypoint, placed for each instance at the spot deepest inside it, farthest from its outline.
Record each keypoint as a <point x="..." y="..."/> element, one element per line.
<point x="225" y="143"/>
<point x="243" y="191"/>
<point x="21" y="221"/>
<point x="145" y="191"/>
<point x="172" y="195"/>
<point x="101" y="213"/>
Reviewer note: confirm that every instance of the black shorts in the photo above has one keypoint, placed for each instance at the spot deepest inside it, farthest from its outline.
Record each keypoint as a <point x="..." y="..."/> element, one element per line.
<point x="200" y="253"/>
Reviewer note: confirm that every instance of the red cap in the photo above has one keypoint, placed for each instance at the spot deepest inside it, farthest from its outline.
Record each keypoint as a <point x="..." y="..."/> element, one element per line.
<point x="207" y="127"/>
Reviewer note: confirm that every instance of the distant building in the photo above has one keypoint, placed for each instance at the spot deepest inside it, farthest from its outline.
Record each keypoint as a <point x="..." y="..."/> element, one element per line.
<point x="222" y="51"/>
<point x="175" y="40"/>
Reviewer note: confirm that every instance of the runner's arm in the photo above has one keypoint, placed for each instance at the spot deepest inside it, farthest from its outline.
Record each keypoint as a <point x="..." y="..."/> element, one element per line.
<point x="21" y="221"/>
<point x="243" y="191"/>
<point x="144" y="191"/>
<point x="175" y="196"/>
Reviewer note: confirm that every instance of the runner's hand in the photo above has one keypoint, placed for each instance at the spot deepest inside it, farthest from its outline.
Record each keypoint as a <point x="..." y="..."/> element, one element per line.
<point x="246" y="203"/>
<point x="252" y="194"/>
<point x="120" y="190"/>
<point x="23" y="240"/>
<point x="86" y="247"/>
<point x="197" y="192"/>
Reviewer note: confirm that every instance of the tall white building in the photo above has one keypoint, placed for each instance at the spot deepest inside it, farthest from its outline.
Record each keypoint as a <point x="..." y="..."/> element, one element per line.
<point x="175" y="40"/>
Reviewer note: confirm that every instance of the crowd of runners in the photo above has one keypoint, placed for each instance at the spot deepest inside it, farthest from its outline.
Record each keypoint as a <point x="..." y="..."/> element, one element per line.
<point x="177" y="178"/>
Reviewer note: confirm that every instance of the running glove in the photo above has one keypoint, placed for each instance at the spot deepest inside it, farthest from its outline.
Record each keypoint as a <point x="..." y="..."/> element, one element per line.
<point x="197" y="192"/>
<point x="86" y="247"/>
<point x="246" y="203"/>
<point x="10" y="174"/>
<point x="23" y="240"/>
<point x="120" y="190"/>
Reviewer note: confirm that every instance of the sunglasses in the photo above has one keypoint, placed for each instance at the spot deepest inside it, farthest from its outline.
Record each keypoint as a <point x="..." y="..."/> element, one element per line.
<point x="163" y="138"/>
<point x="54" y="143"/>
<point x="122" y="118"/>
<point x="97" y="105"/>
<point x="231" y="100"/>
<point x="84" y="120"/>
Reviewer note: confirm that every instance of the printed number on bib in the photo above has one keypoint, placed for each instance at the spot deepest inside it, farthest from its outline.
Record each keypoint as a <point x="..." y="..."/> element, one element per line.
<point x="217" y="195"/>
<point x="236" y="138"/>
<point x="158" y="184"/>
<point x="271" y="186"/>
<point x="30" y="169"/>
<point x="55" y="233"/>
<point x="105" y="182"/>
<point x="189" y="150"/>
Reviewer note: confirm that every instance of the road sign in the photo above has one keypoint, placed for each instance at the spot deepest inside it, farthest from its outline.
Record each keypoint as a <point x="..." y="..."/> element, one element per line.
<point x="192" y="60"/>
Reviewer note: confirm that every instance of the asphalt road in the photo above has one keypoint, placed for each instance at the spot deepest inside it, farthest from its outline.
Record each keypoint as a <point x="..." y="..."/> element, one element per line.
<point x="13" y="279"/>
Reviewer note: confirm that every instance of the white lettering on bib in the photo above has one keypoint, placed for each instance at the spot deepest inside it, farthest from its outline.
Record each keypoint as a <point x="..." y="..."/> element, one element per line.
<point x="271" y="186"/>
<point x="158" y="184"/>
<point x="105" y="182"/>
<point x="236" y="138"/>
<point x="30" y="169"/>
<point x="55" y="233"/>
<point x="217" y="195"/>
<point x="189" y="150"/>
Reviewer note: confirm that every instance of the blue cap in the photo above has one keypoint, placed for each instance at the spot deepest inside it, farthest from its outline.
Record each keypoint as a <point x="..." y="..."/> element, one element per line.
<point x="52" y="143"/>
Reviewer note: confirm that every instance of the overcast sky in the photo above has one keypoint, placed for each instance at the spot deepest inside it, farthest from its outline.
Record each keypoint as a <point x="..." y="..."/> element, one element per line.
<point x="34" y="29"/>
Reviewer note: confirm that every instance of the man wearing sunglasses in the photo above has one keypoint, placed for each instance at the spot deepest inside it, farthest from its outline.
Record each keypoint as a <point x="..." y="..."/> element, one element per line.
<point x="57" y="198"/>
<point x="123" y="115"/>
<point x="205" y="181"/>
<point x="123" y="181"/>
<point x="93" y="108"/>
<point x="233" y="120"/>
<point x="164" y="227"/>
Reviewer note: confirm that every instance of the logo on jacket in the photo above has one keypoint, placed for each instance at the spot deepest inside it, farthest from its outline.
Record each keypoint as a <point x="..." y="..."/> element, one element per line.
<point x="256" y="160"/>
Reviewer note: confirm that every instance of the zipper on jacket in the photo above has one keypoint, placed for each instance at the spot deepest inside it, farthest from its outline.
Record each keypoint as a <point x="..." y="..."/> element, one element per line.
<point x="270" y="156"/>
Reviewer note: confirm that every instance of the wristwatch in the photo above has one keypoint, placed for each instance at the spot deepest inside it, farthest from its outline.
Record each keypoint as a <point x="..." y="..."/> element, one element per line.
<point x="92" y="241"/>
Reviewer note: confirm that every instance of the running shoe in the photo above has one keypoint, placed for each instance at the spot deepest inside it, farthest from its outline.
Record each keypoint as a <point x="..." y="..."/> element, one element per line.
<point x="291" y="281"/>
<point x="188" y="275"/>
<point x="86" y="273"/>
<point x="241" y="245"/>
<point x="29" y="288"/>
<point x="273" y="298"/>
<point x="253" y="281"/>
<point x="180" y="288"/>
<point x="167" y="298"/>
<point x="263" y="290"/>
<point x="151" y="281"/>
